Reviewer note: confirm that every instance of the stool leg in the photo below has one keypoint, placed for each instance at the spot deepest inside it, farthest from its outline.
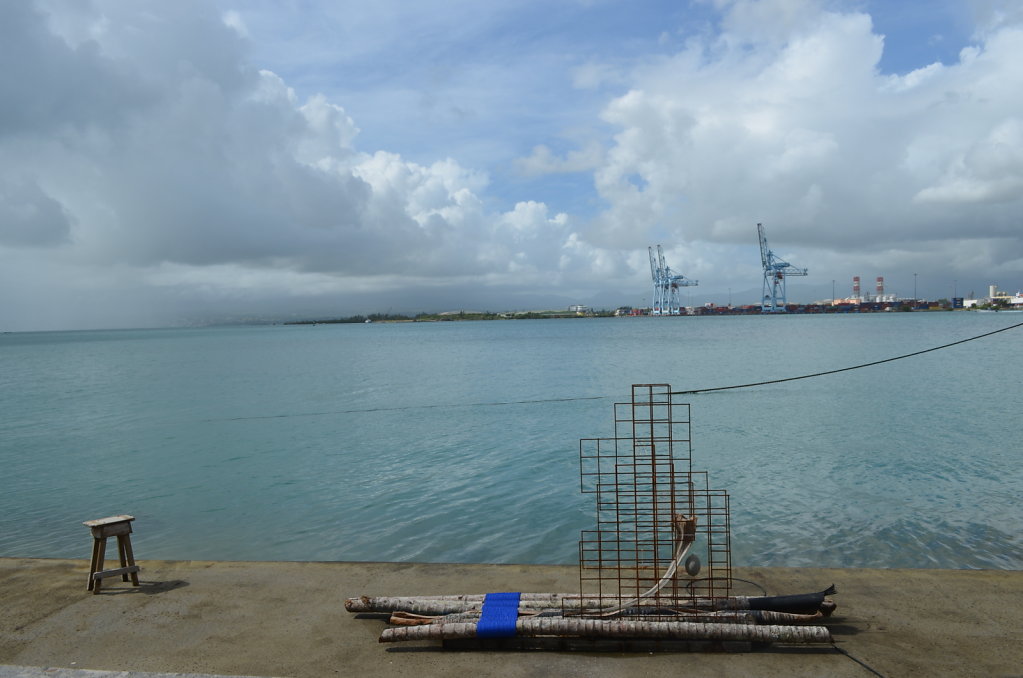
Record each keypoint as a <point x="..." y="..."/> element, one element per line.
<point x="131" y="559"/>
<point x="100" y="557"/>
<point x="94" y="563"/>
<point x="127" y="557"/>
<point x="130" y="555"/>
<point x="121" y="556"/>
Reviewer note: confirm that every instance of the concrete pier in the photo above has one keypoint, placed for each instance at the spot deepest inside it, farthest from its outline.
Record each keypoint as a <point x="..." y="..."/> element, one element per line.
<point x="288" y="619"/>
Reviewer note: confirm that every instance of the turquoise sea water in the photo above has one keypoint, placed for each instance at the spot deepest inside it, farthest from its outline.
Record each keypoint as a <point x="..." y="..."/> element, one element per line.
<point x="389" y="442"/>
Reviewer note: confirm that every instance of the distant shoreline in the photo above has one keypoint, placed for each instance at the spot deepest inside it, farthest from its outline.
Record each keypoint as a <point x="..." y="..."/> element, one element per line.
<point x="454" y="316"/>
<point x="627" y="312"/>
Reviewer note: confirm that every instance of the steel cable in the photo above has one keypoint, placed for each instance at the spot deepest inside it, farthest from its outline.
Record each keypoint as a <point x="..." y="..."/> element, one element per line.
<point x="846" y="369"/>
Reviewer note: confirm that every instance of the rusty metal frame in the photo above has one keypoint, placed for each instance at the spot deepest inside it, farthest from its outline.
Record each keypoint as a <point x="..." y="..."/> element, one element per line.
<point x="644" y="486"/>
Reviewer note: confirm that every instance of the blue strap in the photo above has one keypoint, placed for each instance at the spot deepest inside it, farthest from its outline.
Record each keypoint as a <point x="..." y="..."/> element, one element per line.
<point x="500" y="612"/>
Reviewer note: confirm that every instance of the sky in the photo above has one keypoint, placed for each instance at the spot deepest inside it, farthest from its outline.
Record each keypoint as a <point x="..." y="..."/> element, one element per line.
<point x="179" y="163"/>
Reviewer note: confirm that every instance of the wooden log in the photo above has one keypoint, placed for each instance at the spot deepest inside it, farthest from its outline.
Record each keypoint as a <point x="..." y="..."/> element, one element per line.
<point x="434" y="605"/>
<point x="355" y="604"/>
<point x="721" y="616"/>
<point x="769" y="617"/>
<point x="569" y="602"/>
<point x="531" y="627"/>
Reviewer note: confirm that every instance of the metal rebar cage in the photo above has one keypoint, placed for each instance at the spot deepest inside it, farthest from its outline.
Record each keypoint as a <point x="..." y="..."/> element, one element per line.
<point x="652" y="509"/>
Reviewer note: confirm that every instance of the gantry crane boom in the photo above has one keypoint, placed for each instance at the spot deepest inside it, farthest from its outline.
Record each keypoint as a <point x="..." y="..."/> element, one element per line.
<point x="765" y="253"/>
<point x="775" y="273"/>
<point x="666" y="283"/>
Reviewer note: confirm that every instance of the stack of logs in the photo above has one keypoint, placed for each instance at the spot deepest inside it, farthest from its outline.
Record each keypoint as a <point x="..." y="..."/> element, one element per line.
<point x="763" y="619"/>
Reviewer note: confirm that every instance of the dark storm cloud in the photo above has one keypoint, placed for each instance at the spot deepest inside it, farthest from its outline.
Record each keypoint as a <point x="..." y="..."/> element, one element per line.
<point x="29" y="217"/>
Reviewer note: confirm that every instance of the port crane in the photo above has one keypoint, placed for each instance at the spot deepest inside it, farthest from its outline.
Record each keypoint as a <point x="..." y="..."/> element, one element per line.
<point x="775" y="273"/>
<point x="666" y="284"/>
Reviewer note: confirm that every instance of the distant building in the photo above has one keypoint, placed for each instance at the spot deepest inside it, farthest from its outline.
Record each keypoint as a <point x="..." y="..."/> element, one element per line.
<point x="998" y="297"/>
<point x="579" y="308"/>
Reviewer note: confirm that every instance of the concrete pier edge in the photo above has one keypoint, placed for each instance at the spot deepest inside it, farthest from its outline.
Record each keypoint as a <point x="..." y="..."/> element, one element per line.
<point x="208" y="618"/>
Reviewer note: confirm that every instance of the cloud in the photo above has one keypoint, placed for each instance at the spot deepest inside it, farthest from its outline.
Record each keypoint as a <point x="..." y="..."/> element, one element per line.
<point x="543" y="160"/>
<point x="29" y="217"/>
<point x="988" y="171"/>
<point x="234" y="20"/>
<point x="145" y="139"/>
<point x="785" y="117"/>
<point x="158" y="148"/>
<point x="50" y="84"/>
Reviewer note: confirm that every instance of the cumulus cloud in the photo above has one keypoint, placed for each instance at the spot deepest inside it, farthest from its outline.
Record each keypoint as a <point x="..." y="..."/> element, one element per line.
<point x="785" y="116"/>
<point x="142" y="138"/>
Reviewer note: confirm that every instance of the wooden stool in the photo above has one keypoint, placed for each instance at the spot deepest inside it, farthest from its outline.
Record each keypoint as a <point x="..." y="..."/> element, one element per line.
<point x="114" y="526"/>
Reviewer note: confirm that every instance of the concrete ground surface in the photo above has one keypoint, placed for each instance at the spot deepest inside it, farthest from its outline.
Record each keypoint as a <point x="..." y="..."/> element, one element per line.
<point x="288" y="619"/>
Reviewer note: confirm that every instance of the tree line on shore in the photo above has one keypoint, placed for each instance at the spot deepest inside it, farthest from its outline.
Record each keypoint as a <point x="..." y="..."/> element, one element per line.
<point x="454" y="316"/>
